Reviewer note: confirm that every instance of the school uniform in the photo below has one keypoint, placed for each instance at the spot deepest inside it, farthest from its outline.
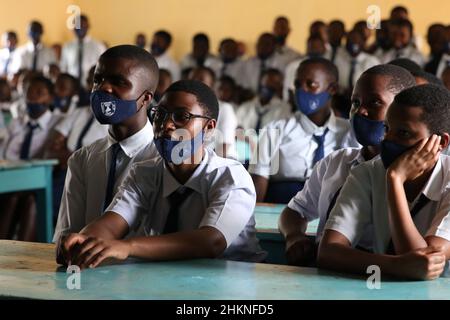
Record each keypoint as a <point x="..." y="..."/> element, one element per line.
<point x="225" y="131"/>
<point x="289" y="149"/>
<point x="350" y="68"/>
<point x="286" y="55"/>
<point x="27" y="137"/>
<point x="33" y="58"/>
<point x="254" y="68"/>
<point x="78" y="56"/>
<point x="81" y="128"/>
<point x="165" y="61"/>
<point x="234" y="70"/>
<point x="363" y="202"/>
<point x="252" y="115"/>
<point x="219" y="194"/>
<point x="91" y="182"/>
<point x="6" y="62"/>
<point x="319" y="195"/>
<point x="211" y="62"/>
<point x="409" y="52"/>
<point x="73" y="104"/>
<point x="443" y="63"/>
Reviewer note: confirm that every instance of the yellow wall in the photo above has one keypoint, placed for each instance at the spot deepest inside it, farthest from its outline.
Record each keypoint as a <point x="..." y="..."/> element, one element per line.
<point x="117" y="21"/>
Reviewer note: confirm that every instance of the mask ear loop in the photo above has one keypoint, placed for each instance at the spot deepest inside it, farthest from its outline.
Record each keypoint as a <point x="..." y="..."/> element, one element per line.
<point x="140" y="97"/>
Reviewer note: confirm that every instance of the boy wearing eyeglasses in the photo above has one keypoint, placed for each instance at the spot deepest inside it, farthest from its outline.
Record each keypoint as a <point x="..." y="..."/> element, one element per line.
<point x="125" y="80"/>
<point x="193" y="203"/>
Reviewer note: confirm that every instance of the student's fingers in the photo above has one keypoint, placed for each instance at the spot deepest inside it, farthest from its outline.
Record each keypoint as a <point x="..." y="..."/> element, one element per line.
<point x="81" y="249"/>
<point x="88" y="257"/>
<point x="70" y="242"/>
<point x="437" y="258"/>
<point x="432" y="249"/>
<point x="102" y="255"/>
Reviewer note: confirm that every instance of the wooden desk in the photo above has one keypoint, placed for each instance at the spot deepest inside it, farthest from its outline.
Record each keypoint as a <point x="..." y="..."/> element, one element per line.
<point x="271" y="240"/>
<point x="32" y="175"/>
<point x="28" y="270"/>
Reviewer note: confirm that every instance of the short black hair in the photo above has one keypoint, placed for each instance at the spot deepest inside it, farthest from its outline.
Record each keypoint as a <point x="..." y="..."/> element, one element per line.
<point x="400" y="23"/>
<point x="45" y="81"/>
<point x="201" y="37"/>
<point x="430" y="78"/>
<point x="228" y="80"/>
<point x="400" y="78"/>
<point x="11" y="34"/>
<point x="205" y="95"/>
<point x="143" y="57"/>
<point x="165" y="35"/>
<point x="329" y="66"/>
<point x="226" y="40"/>
<point x="406" y="63"/>
<point x="74" y="81"/>
<point x="207" y="70"/>
<point x="37" y="24"/>
<point x="272" y="71"/>
<point x="337" y="22"/>
<point x="435" y="103"/>
<point x="399" y="8"/>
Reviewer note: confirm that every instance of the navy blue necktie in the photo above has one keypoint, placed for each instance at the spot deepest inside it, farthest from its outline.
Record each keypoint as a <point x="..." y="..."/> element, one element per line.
<point x="35" y="58"/>
<point x="115" y="148"/>
<point x="351" y="75"/>
<point x="80" y="60"/>
<point x="176" y="199"/>
<point x="320" y="151"/>
<point x="83" y="132"/>
<point x="26" y="144"/>
<point x="5" y="69"/>
<point x="262" y="69"/>
<point x="260" y="114"/>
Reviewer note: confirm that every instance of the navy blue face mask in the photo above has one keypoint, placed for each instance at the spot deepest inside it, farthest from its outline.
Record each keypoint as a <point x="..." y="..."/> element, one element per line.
<point x="35" y="109"/>
<point x="390" y="151"/>
<point x="61" y="103"/>
<point x="175" y="151"/>
<point x="367" y="132"/>
<point x="309" y="103"/>
<point x="266" y="93"/>
<point x="156" y="49"/>
<point x="34" y="35"/>
<point x="352" y="48"/>
<point x="109" y="109"/>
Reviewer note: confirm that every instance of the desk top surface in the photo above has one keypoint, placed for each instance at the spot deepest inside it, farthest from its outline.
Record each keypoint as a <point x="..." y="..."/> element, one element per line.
<point x="28" y="270"/>
<point x="17" y="164"/>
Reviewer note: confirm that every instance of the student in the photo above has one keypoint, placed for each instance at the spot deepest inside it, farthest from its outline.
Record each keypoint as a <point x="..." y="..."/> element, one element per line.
<point x="403" y="195"/>
<point x="27" y="139"/>
<point x="194" y="203"/>
<point x="66" y="94"/>
<point x="266" y="57"/>
<point x="436" y="42"/>
<point x="446" y="77"/>
<point x="9" y="43"/>
<point x="318" y="28"/>
<point x="200" y="55"/>
<point x="281" y="30"/>
<point x="400" y="35"/>
<point x="227" y="91"/>
<point x="382" y="43"/>
<point x="80" y="54"/>
<point x="232" y="65"/>
<point x="267" y="106"/>
<point x="51" y="71"/>
<point x="140" y="40"/>
<point x="421" y="76"/>
<point x="159" y="48"/>
<point x="165" y="80"/>
<point x="445" y="58"/>
<point x="352" y="61"/>
<point x="223" y="140"/>
<point x="374" y="92"/>
<point x="361" y="28"/>
<point x="336" y="32"/>
<point x="125" y="80"/>
<point x="34" y="55"/>
<point x="316" y="47"/>
<point x="289" y="148"/>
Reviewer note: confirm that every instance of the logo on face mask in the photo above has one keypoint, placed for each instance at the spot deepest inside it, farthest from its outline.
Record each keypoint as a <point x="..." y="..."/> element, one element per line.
<point x="309" y="103"/>
<point x="108" y="108"/>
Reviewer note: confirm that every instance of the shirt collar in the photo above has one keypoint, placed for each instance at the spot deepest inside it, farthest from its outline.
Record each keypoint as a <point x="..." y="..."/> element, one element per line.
<point x="43" y="120"/>
<point x="311" y="128"/>
<point x="358" y="159"/>
<point x="30" y="46"/>
<point x="135" y="143"/>
<point x="433" y="187"/>
<point x="170" y="184"/>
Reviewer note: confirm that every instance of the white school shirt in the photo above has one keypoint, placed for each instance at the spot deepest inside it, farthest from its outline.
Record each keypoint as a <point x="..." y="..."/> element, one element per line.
<point x="18" y="129"/>
<point x="165" y="61"/>
<point x="6" y="60"/>
<point x="87" y="177"/>
<point x="92" y="49"/>
<point x="343" y="62"/>
<point x="225" y="131"/>
<point x="211" y="62"/>
<point x="363" y="202"/>
<point x="247" y="113"/>
<point x="23" y="59"/>
<point x="409" y="52"/>
<point x="287" y="55"/>
<point x="327" y="178"/>
<point x="252" y="69"/>
<point x="223" y="198"/>
<point x="234" y="70"/>
<point x="286" y="147"/>
<point x="72" y="126"/>
<point x="443" y="63"/>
